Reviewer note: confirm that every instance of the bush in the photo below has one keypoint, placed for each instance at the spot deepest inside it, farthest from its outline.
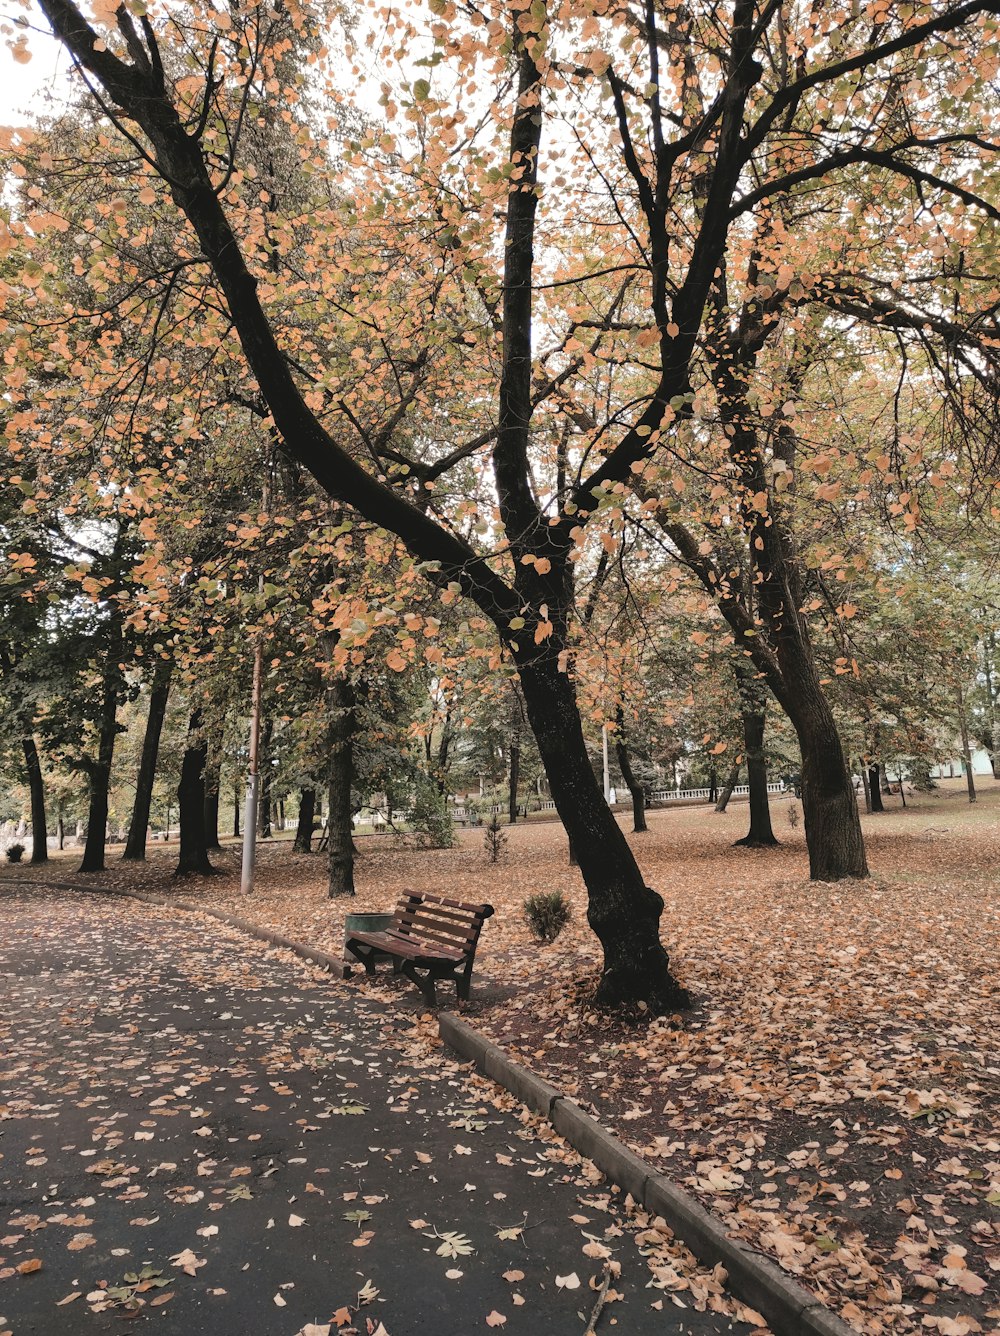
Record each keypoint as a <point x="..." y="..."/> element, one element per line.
<point x="430" y="819"/>
<point x="547" y="913"/>
<point x="15" y="852"/>
<point x="494" y="839"/>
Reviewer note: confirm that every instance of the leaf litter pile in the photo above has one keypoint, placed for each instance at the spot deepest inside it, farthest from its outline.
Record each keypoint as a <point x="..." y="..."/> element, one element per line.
<point x="834" y="1094"/>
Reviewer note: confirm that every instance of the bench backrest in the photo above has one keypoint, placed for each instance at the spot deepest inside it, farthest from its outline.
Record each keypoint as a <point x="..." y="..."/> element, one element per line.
<point x="439" y="922"/>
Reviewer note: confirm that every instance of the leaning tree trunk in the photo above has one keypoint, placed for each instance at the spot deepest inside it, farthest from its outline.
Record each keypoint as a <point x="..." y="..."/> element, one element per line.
<point x="875" y="790"/>
<point x="307" y="821"/>
<point x="340" y="775"/>
<point x="39" y="830"/>
<point x="193" y="856"/>
<point x="135" y="845"/>
<point x="760" y="835"/>
<point x="639" y="826"/>
<point x="829" y="803"/>
<point x="727" y="789"/>
<point x="622" y="910"/>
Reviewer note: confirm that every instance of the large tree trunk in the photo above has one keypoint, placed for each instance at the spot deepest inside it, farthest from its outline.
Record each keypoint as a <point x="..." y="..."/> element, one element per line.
<point x="639" y="826"/>
<point x="307" y="821"/>
<point x="39" y="831"/>
<point x="829" y="803"/>
<point x="193" y="857"/>
<point x="340" y="774"/>
<point x="622" y="910"/>
<point x="875" y="790"/>
<point x="135" y="845"/>
<point x="727" y="789"/>
<point x="760" y="835"/>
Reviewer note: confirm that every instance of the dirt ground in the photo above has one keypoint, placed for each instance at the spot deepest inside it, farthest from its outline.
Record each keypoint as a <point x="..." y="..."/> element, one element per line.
<point x="834" y="1092"/>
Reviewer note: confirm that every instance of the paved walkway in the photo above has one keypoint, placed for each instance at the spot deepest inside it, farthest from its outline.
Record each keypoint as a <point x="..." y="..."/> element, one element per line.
<point x="232" y="1144"/>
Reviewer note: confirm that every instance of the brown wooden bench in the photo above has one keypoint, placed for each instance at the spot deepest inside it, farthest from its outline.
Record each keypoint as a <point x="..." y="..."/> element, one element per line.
<point x="429" y="938"/>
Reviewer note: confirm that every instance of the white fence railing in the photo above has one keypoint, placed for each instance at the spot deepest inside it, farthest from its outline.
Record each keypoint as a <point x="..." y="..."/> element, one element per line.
<point x="460" y="813"/>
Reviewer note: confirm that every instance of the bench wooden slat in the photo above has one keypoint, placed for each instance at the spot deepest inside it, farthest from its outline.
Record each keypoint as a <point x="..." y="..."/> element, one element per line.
<point x="427" y="932"/>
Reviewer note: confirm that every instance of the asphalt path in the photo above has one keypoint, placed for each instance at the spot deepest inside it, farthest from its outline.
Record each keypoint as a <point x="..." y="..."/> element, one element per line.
<point x="205" y="1136"/>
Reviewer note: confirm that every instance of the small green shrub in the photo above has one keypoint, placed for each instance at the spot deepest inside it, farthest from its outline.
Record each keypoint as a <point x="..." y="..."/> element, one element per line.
<point x="547" y="913"/>
<point x="15" y="852"/>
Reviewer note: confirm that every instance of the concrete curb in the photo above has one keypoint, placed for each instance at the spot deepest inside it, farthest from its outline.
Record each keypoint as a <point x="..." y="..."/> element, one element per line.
<point x="790" y="1309"/>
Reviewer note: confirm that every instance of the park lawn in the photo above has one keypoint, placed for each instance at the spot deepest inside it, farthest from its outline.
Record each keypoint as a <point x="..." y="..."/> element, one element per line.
<point x="835" y="1093"/>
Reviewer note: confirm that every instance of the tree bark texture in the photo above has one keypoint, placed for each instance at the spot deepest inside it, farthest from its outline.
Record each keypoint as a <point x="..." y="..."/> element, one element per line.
<point x="340" y="775"/>
<point x="875" y="790"/>
<point x="307" y="821"/>
<point x="36" y="788"/>
<point x="193" y="856"/>
<point x="135" y="845"/>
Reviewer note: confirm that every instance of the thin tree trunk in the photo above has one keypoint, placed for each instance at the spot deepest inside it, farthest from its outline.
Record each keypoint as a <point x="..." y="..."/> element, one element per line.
<point x="727" y="788"/>
<point x="864" y="780"/>
<point x="963" y="723"/>
<point x="237" y="797"/>
<point x="713" y="783"/>
<point x="760" y="835"/>
<point x="307" y="821"/>
<point x="39" y="831"/>
<point x="340" y="774"/>
<point x="99" y="771"/>
<point x="639" y="826"/>
<point x="264" y="770"/>
<point x="515" y="777"/>
<point x="135" y="845"/>
<point x="193" y="856"/>
<point x="875" y="790"/>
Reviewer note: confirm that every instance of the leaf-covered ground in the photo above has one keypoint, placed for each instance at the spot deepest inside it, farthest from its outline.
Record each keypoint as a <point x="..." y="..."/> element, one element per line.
<point x="834" y="1094"/>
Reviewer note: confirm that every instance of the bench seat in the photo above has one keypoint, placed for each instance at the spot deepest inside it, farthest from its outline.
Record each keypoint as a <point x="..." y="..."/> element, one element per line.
<point x="430" y="938"/>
